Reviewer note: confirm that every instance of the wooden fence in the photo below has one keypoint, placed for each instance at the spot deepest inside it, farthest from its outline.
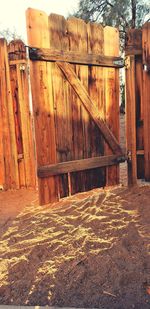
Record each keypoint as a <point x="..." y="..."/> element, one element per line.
<point x="74" y="71"/>
<point x="138" y="102"/>
<point x="17" y="155"/>
<point x="75" y="92"/>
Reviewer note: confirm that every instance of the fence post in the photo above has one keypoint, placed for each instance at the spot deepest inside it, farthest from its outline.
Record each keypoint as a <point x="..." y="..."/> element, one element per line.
<point x="131" y="120"/>
<point x="10" y="175"/>
<point x="111" y="48"/>
<point x="146" y="96"/>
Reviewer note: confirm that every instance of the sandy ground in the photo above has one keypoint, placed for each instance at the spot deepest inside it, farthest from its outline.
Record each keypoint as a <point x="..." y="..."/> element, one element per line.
<point x="90" y="250"/>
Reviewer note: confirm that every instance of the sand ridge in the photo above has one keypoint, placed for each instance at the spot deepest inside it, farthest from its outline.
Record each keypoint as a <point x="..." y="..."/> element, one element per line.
<point x="90" y="250"/>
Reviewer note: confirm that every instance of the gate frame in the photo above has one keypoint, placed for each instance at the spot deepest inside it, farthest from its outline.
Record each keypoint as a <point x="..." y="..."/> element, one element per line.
<point x="137" y="66"/>
<point x="40" y="53"/>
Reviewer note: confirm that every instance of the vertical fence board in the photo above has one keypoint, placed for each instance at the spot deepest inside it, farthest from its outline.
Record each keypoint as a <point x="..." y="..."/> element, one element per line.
<point x="26" y="124"/>
<point x="59" y="41"/>
<point x="22" y="114"/>
<point x="16" y="108"/>
<point x="96" y="91"/>
<point x="139" y="116"/>
<point x="8" y="126"/>
<point x="17" y="159"/>
<point x="146" y="97"/>
<point x="42" y="94"/>
<point x="2" y="163"/>
<point x="131" y="121"/>
<point x="14" y="53"/>
<point x="134" y="103"/>
<point x="111" y="48"/>
<point x="77" y="32"/>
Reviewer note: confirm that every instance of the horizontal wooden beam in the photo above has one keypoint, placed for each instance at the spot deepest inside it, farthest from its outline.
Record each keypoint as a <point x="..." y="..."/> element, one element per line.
<point x="90" y="106"/>
<point x="76" y="58"/>
<point x="133" y="51"/>
<point x="140" y="152"/>
<point x="18" y="61"/>
<point x="79" y="165"/>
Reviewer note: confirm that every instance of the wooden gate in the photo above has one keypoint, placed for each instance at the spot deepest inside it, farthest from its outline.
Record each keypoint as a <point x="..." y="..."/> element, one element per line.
<point x="75" y="90"/>
<point x="138" y="103"/>
<point x="17" y="155"/>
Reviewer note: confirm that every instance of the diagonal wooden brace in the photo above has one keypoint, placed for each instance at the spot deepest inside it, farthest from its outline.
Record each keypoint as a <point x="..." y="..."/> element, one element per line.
<point x="90" y="106"/>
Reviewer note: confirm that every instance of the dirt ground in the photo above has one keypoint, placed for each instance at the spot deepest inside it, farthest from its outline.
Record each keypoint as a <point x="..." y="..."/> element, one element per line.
<point x="90" y="250"/>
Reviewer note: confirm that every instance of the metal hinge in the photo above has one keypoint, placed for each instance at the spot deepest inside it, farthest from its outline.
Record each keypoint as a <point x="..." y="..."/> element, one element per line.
<point x="120" y="62"/>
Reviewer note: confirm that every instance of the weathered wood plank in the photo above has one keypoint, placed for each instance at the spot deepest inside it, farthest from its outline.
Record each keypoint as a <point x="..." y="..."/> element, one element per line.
<point x="146" y="97"/>
<point x="139" y="114"/>
<point x="14" y="54"/>
<point x="2" y="156"/>
<point x="97" y="177"/>
<point x="77" y="33"/>
<point x="75" y="57"/>
<point x="131" y="121"/>
<point x="18" y="129"/>
<point x="62" y="106"/>
<point x="26" y="125"/>
<point x="90" y="106"/>
<point x="79" y="165"/>
<point x="22" y="115"/>
<point x="8" y="124"/>
<point x="42" y="95"/>
<point x="133" y="44"/>
<point x="111" y="48"/>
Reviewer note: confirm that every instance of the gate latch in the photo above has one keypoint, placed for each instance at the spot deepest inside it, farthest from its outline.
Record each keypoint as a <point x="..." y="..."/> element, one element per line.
<point x="22" y="67"/>
<point x="127" y="62"/>
<point x="129" y="156"/>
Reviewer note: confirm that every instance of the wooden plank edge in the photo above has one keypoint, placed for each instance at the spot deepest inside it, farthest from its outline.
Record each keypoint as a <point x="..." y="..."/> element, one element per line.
<point x="79" y="165"/>
<point x="44" y="54"/>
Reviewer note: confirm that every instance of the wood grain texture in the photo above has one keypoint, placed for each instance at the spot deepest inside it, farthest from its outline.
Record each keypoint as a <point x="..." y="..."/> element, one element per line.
<point x="42" y="95"/>
<point x="62" y="106"/>
<point x="131" y="121"/>
<point x="133" y="42"/>
<point x="111" y="48"/>
<point x="79" y="165"/>
<point x="76" y="123"/>
<point x="18" y="128"/>
<point x="26" y="125"/>
<point x="90" y="106"/>
<point x="146" y="97"/>
<point x="2" y="155"/>
<point x="134" y="47"/>
<point x="91" y="59"/>
<point x="22" y="115"/>
<point x="8" y="142"/>
<point x="97" y="177"/>
<point x="139" y="115"/>
<point x="77" y="33"/>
